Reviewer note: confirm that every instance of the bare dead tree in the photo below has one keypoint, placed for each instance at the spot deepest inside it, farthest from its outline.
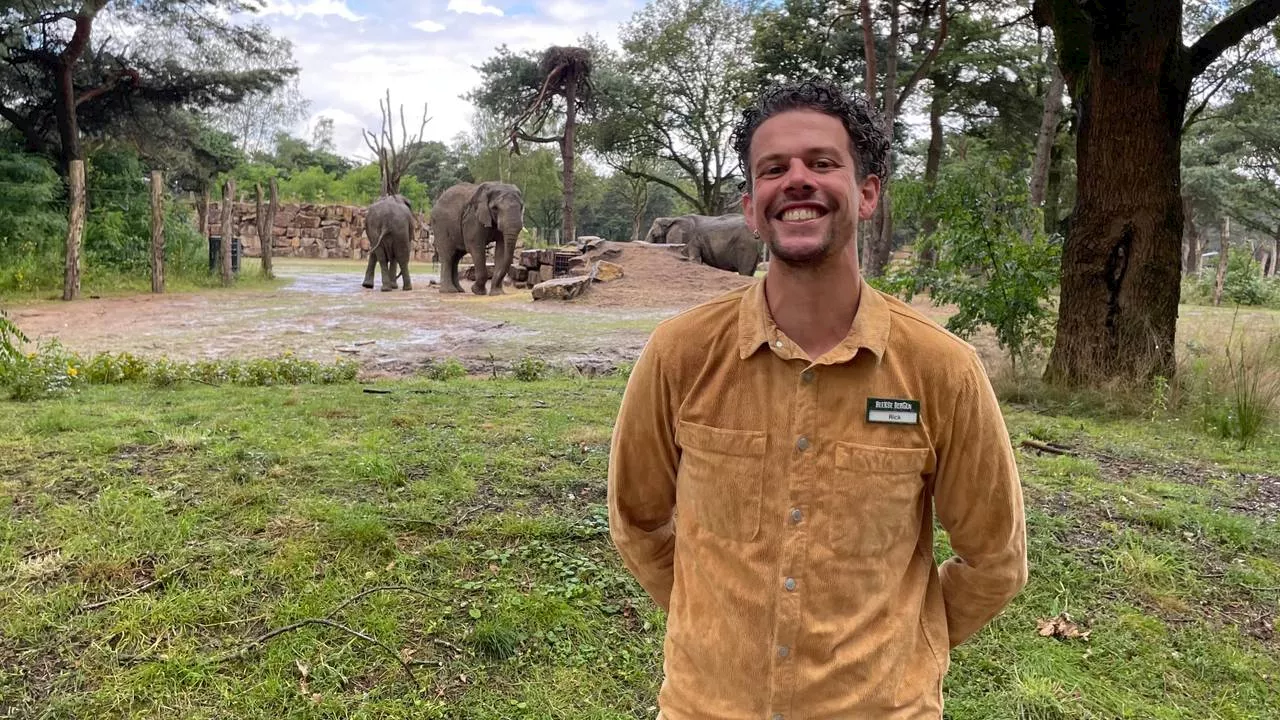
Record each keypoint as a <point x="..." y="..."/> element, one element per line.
<point x="394" y="162"/>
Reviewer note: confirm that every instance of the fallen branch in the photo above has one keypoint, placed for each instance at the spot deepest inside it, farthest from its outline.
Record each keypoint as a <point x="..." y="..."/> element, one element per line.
<point x="1055" y="450"/>
<point x="381" y="588"/>
<point x="136" y="591"/>
<point x="256" y="642"/>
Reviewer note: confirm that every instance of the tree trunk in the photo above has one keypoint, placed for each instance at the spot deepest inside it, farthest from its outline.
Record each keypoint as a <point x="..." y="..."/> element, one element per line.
<point x="882" y="240"/>
<point x="1053" y="190"/>
<point x="566" y="157"/>
<point x="64" y="110"/>
<point x="157" y="232"/>
<point x="228" y="230"/>
<point x="1048" y="132"/>
<point x="1191" y="258"/>
<point x="1120" y="264"/>
<point x="1275" y="255"/>
<point x="639" y="201"/>
<point x="933" y="161"/>
<point x="868" y="50"/>
<point x="202" y="212"/>
<point x="1224" y="250"/>
<point x="75" y="230"/>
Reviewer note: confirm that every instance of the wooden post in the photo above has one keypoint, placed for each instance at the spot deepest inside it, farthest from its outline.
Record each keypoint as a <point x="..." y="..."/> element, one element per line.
<point x="157" y="232"/>
<point x="75" y="230"/>
<point x="269" y="237"/>
<point x="228" y="232"/>
<point x="1222" y="261"/>
<point x="202" y="212"/>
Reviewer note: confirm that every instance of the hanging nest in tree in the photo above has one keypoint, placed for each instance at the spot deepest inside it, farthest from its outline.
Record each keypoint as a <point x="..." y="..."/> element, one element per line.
<point x="561" y="68"/>
<point x="563" y="64"/>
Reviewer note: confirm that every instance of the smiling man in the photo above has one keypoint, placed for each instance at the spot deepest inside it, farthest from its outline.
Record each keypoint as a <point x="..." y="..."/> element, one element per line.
<point x="781" y="451"/>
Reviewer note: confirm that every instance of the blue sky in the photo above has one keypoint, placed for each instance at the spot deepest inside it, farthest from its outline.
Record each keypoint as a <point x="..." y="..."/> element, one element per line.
<point x="351" y="51"/>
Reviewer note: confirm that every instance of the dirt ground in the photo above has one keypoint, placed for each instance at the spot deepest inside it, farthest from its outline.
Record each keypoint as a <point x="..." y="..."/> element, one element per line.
<point x="319" y="311"/>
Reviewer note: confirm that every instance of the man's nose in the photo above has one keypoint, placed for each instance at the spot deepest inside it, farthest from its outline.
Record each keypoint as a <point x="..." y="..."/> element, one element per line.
<point x="798" y="176"/>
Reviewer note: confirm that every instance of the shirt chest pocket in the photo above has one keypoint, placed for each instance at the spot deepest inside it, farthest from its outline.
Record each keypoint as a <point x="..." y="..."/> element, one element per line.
<point x="719" y="484"/>
<point x="875" y="497"/>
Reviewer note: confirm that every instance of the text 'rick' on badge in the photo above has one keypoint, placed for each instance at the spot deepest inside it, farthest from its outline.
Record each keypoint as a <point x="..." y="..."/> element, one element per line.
<point x="893" y="411"/>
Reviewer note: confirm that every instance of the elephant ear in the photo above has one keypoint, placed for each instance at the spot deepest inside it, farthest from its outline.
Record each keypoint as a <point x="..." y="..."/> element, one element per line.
<point x="676" y="232"/>
<point x="479" y="205"/>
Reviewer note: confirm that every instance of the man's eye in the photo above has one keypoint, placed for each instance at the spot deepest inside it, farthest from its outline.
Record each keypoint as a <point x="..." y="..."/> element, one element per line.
<point x="824" y="164"/>
<point x="772" y="170"/>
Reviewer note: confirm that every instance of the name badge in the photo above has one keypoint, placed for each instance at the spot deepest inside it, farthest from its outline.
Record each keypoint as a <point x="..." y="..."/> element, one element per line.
<point x="893" y="411"/>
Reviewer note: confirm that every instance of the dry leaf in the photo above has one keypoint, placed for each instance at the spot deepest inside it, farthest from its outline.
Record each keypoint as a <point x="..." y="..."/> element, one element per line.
<point x="317" y="698"/>
<point x="302" y="669"/>
<point x="1062" y="628"/>
<point x="236" y="572"/>
<point x="406" y="654"/>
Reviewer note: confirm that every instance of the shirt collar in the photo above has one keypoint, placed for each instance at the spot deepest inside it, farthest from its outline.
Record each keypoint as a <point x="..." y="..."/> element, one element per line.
<point x="756" y="328"/>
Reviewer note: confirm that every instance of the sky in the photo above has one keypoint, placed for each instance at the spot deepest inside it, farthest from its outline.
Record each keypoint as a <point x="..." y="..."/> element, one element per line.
<point x="351" y="51"/>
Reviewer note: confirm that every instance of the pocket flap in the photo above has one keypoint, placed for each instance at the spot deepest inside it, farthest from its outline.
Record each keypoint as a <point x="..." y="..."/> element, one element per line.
<point x="876" y="459"/>
<point x="718" y="440"/>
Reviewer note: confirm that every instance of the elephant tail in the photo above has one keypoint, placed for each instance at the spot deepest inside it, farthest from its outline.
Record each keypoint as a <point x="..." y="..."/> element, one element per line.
<point x="395" y="270"/>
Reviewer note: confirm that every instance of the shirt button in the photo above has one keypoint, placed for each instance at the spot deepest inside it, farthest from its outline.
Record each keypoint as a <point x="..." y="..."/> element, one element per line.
<point x="796" y="515"/>
<point x="807" y="376"/>
<point x="789" y="584"/>
<point x="803" y="443"/>
<point x="784" y="651"/>
<point x="777" y="716"/>
<point x="777" y="343"/>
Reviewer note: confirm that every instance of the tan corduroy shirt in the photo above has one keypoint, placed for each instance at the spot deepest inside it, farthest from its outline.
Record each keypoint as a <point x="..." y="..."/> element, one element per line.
<point x="782" y="512"/>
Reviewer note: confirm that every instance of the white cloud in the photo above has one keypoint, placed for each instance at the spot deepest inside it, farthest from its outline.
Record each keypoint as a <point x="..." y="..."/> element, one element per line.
<point x="346" y="68"/>
<point x="319" y="8"/>
<point x="475" y="7"/>
<point x="429" y="26"/>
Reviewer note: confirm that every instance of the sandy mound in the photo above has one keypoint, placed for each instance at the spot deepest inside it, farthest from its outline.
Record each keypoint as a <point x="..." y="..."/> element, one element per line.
<point x="656" y="276"/>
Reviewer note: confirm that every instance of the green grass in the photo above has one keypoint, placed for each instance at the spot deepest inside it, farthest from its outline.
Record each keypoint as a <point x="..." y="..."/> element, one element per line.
<point x="259" y="507"/>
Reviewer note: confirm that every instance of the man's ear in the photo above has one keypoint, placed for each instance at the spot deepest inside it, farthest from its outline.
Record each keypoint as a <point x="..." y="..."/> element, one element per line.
<point x="746" y="212"/>
<point x="870" y="190"/>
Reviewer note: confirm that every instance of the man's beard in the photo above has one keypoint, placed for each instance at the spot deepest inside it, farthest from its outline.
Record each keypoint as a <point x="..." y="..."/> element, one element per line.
<point x="814" y="255"/>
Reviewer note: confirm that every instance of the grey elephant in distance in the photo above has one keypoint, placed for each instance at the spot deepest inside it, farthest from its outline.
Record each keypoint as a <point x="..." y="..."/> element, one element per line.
<point x="721" y="241"/>
<point x="467" y="218"/>
<point x="390" y="227"/>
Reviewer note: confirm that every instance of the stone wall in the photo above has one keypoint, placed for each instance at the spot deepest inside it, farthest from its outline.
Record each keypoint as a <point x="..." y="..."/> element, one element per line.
<point x="307" y="230"/>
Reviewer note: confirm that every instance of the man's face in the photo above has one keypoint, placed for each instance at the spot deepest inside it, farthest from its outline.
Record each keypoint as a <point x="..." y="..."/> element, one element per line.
<point x="806" y="200"/>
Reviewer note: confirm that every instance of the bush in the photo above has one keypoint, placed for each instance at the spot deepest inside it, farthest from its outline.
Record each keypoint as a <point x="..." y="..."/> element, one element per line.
<point x="449" y="369"/>
<point x="53" y="371"/>
<point x="1243" y="284"/>
<point x="530" y="368"/>
<point x="993" y="260"/>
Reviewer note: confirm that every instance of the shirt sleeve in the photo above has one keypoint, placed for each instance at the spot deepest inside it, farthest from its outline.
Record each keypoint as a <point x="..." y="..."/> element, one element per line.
<point x="978" y="500"/>
<point x="643" y="462"/>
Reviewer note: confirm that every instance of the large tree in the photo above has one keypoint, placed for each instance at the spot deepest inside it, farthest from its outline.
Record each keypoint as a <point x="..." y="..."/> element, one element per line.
<point x="538" y="97"/>
<point x="60" y="82"/>
<point x="673" y="96"/>
<point x="1130" y="76"/>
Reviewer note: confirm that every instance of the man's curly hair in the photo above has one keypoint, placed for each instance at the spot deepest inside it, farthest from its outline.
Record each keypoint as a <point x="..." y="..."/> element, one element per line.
<point x="867" y="140"/>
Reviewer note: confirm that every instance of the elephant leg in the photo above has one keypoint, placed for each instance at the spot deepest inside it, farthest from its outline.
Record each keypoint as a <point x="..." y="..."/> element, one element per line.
<point x="482" y="274"/>
<point x="404" y="273"/>
<point x="387" y="266"/>
<point x="368" y="271"/>
<point x="502" y="252"/>
<point x="448" y="260"/>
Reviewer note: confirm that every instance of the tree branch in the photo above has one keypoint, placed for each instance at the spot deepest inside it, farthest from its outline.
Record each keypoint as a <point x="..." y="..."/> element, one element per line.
<point x="925" y="64"/>
<point x="1231" y="31"/>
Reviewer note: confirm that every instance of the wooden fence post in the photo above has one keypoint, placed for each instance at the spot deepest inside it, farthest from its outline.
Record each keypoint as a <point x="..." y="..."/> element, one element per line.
<point x="157" y="231"/>
<point x="269" y="236"/>
<point x="228" y="231"/>
<point x="1222" y="261"/>
<point x="75" y="230"/>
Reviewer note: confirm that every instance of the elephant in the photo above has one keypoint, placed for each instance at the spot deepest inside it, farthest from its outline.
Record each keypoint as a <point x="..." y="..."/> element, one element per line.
<point x="390" y="227"/>
<point x="467" y="218"/>
<point x="721" y="241"/>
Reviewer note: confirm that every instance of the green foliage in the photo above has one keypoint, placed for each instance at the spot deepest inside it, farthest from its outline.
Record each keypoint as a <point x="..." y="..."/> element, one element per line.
<point x="11" y="339"/>
<point x="449" y="369"/>
<point x="52" y="370"/>
<point x="994" y="261"/>
<point x="1243" y="284"/>
<point x="530" y="368"/>
<point x="1241" y="393"/>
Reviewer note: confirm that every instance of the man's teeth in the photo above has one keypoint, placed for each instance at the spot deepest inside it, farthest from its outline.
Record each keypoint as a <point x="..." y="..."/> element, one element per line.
<point x="800" y="214"/>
